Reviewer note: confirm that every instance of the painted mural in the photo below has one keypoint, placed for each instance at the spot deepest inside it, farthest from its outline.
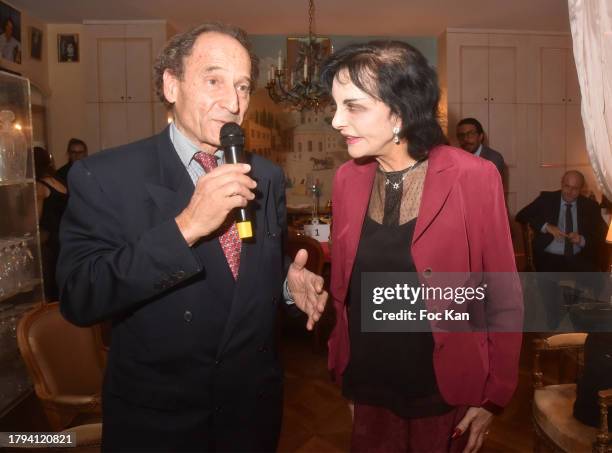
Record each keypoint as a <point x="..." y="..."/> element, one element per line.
<point x="304" y="143"/>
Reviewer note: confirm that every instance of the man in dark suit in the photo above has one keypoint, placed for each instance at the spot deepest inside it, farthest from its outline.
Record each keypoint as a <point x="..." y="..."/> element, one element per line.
<point x="569" y="232"/>
<point x="470" y="135"/>
<point x="569" y="229"/>
<point x="149" y="242"/>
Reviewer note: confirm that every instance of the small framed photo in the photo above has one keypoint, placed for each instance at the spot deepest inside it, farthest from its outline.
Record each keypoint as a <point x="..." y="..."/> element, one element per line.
<point x="10" y="35"/>
<point x="68" y="48"/>
<point x="36" y="37"/>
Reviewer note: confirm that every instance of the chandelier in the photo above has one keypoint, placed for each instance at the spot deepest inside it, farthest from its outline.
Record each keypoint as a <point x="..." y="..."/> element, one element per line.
<point x="298" y="87"/>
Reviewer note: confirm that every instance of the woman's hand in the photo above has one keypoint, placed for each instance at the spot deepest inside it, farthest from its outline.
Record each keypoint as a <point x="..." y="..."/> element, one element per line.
<point x="477" y="420"/>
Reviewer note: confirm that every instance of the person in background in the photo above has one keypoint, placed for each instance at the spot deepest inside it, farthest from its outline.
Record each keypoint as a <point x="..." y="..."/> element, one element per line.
<point x="76" y="150"/>
<point x="569" y="235"/>
<point x="569" y="229"/>
<point x="596" y="376"/>
<point x="51" y="196"/>
<point x="408" y="203"/>
<point x="470" y="135"/>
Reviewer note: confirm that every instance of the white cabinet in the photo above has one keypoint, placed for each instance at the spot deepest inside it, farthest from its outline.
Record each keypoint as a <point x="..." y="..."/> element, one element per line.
<point x="486" y="79"/>
<point x="524" y="90"/>
<point x="122" y="105"/>
<point x="556" y="79"/>
<point x="561" y="136"/>
<point x="483" y="67"/>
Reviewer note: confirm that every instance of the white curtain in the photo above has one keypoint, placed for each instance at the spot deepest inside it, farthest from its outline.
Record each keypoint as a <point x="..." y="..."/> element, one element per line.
<point x="591" y="23"/>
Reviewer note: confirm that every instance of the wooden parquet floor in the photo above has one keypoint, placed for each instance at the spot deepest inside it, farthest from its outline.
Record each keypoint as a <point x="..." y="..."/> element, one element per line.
<point x="317" y="419"/>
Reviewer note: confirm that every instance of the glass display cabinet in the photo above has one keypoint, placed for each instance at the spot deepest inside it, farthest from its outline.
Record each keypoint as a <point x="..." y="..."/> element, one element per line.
<point x="20" y="265"/>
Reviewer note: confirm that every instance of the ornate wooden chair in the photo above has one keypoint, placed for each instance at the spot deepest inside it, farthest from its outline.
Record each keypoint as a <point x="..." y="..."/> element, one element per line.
<point x="66" y="364"/>
<point x="555" y="427"/>
<point x="315" y="263"/>
<point x="316" y="257"/>
<point x="528" y="234"/>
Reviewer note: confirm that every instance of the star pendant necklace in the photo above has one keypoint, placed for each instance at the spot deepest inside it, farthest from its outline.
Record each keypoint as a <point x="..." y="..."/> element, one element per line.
<point x="396" y="184"/>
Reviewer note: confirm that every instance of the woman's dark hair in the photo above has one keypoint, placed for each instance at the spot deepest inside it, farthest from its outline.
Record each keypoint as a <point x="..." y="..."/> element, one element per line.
<point x="172" y="56"/>
<point x="397" y="74"/>
<point x="43" y="164"/>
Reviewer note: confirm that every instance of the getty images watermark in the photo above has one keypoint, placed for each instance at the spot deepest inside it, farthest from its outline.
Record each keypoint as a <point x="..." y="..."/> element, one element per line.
<point x="405" y="293"/>
<point x="485" y="302"/>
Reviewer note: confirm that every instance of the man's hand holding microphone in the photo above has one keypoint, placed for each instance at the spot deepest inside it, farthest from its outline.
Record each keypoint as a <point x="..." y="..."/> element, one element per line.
<point x="228" y="188"/>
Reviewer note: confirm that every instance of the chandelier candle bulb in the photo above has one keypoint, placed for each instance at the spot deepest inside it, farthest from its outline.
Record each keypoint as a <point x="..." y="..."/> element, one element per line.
<point x="296" y="83"/>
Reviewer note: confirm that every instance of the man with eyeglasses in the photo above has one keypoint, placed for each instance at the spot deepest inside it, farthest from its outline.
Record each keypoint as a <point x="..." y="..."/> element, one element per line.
<point x="470" y="135"/>
<point x="76" y="150"/>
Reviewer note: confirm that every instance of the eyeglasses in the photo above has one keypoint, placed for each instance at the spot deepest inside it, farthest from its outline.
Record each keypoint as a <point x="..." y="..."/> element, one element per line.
<point x="468" y="134"/>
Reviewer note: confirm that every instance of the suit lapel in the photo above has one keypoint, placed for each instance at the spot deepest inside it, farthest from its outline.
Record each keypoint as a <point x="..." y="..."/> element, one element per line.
<point x="171" y="189"/>
<point x="556" y="208"/>
<point x="250" y="256"/>
<point x="579" y="208"/>
<point x="439" y="180"/>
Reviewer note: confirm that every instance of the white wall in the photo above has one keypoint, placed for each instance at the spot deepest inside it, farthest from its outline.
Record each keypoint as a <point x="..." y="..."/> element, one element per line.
<point x="66" y="116"/>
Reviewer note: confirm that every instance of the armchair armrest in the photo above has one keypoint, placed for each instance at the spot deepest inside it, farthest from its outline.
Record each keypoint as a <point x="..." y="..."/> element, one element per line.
<point x="603" y="437"/>
<point x="564" y="341"/>
<point x="77" y="403"/>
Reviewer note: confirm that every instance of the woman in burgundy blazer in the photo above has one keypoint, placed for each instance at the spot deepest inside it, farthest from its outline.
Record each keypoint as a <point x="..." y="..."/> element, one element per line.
<point x="387" y="95"/>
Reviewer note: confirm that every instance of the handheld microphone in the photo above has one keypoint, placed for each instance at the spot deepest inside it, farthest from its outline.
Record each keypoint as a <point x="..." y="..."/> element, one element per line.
<point x="232" y="143"/>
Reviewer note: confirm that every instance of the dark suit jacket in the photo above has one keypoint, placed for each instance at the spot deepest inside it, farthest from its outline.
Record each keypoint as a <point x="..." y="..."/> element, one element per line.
<point x="545" y="209"/>
<point x="62" y="172"/>
<point x="496" y="158"/>
<point x="185" y="335"/>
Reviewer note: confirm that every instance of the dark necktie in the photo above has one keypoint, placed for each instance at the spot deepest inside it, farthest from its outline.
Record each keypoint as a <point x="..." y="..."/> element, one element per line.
<point x="569" y="227"/>
<point x="229" y="239"/>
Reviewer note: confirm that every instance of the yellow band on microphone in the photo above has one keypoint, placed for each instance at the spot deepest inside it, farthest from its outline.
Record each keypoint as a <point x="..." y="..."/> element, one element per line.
<point x="244" y="229"/>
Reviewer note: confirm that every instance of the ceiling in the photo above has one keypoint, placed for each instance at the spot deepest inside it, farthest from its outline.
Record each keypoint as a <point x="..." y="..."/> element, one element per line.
<point x="333" y="17"/>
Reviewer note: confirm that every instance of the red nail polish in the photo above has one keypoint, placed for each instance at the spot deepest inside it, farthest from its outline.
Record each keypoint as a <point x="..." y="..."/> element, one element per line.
<point x="456" y="433"/>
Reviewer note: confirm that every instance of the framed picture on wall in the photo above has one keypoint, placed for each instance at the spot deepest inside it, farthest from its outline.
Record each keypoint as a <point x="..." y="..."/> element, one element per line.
<point x="68" y="48"/>
<point x="10" y="39"/>
<point x="36" y="43"/>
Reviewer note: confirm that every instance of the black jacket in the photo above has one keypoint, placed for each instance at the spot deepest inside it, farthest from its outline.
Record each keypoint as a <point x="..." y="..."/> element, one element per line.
<point x="185" y="335"/>
<point x="496" y="158"/>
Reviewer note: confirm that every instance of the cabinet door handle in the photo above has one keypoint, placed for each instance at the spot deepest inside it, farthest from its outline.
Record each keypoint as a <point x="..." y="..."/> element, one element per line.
<point x="122" y="98"/>
<point x="563" y="99"/>
<point x="569" y="100"/>
<point x="491" y="99"/>
<point x="130" y="97"/>
<point x="486" y="99"/>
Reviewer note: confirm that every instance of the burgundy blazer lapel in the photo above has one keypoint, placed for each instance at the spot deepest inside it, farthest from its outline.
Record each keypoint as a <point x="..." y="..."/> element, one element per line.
<point x="439" y="180"/>
<point x="357" y="198"/>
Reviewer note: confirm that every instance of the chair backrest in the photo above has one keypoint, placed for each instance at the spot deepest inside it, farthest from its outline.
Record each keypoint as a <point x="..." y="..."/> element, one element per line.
<point x="62" y="359"/>
<point x="316" y="256"/>
<point x="528" y="235"/>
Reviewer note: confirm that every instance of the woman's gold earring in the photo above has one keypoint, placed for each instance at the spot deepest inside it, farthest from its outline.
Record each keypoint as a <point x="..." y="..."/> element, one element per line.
<point x="396" y="138"/>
